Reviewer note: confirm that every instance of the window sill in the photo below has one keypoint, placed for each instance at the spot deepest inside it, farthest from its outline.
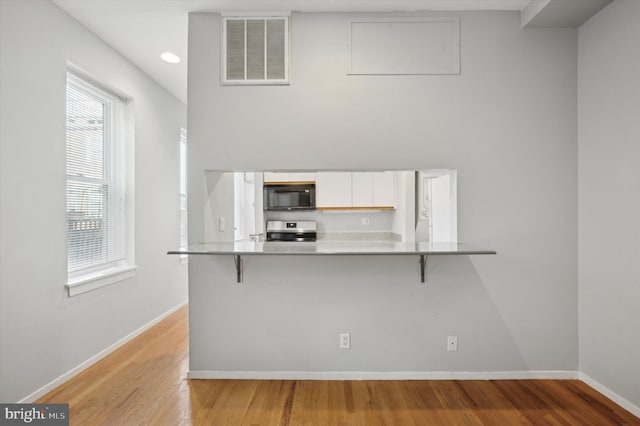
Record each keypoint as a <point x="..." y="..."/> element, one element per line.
<point x="86" y="283"/>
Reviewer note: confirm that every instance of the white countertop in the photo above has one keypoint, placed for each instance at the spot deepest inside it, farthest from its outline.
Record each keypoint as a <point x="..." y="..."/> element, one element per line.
<point x="332" y="248"/>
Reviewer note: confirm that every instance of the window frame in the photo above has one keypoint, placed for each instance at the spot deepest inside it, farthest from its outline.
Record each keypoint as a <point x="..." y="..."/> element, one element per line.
<point x="120" y="266"/>
<point x="223" y="60"/>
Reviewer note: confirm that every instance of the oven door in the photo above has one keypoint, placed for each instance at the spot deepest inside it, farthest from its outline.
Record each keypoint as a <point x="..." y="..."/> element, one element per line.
<point x="290" y="236"/>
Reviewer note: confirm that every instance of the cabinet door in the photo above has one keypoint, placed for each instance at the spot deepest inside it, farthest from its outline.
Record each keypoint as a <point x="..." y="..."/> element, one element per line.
<point x="384" y="194"/>
<point x="289" y="177"/>
<point x="276" y="177"/>
<point x="302" y="177"/>
<point x="333" y="189"/>
<point x="362" y="187"/>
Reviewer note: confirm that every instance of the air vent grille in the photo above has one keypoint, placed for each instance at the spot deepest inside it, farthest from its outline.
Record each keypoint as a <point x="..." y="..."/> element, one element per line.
<point x="255" y="50"/>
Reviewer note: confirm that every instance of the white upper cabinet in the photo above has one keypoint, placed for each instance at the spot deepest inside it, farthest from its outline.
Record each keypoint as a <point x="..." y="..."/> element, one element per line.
<point x="362" y="189"/>
<point x="276" y="177"/>
<point x="349" y="190"/>
<point x="303" y="177"/>
<point x="384" y="194"/>
<point x="333" y="189"/>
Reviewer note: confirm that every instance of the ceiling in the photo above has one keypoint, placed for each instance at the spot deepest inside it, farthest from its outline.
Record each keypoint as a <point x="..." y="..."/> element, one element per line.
<point x="143" y="29"/>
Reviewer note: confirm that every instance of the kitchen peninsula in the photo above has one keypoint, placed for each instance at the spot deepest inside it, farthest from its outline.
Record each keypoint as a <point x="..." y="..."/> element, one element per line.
<point x="422" y="249"/>
<point x="379" y="234"/>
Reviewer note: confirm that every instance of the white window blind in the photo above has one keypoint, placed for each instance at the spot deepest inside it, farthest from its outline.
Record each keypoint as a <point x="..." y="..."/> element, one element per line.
<point x="95" y="178"/>
<point x="255" y="50"/>
<point x="183" y="189"/>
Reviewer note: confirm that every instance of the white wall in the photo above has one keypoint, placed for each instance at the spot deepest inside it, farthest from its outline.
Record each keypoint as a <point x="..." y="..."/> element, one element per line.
<point x="507" y="124"/>
<point x="220" y="204"/>
<point x="43" y="332"/>
<point x="609" y="205"/>
<point x="441" y="194"/>
<point x="404" y="218"/>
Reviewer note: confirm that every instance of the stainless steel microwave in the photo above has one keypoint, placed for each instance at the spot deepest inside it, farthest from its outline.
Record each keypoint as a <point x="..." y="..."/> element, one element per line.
<point x="285" y="196"/>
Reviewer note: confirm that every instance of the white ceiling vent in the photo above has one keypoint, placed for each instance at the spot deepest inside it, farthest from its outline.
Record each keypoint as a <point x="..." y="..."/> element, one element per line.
<point x="255" y="50"/>
<point x="395" y="46"/>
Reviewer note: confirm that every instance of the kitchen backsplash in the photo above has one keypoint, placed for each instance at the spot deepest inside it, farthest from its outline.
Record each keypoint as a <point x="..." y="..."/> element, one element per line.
<point x="341" y="222"/>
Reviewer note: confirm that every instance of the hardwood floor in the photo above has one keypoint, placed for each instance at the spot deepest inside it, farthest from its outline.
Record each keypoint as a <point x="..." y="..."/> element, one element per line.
<point x="144" y="383"/>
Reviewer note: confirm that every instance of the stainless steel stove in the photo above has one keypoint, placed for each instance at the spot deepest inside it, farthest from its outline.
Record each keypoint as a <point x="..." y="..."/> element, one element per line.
<point x="301" y="230"/>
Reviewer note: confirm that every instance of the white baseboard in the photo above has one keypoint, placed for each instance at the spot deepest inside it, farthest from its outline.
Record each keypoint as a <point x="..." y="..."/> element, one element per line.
<point x="627" y="405"/>
<point x="383" y="375"/>
<point x="97" y="357"/>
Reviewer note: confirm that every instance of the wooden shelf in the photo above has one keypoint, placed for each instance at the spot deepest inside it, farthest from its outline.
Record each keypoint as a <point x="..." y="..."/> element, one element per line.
<point x="295" y="182"/>
<point x="357" y="208"/>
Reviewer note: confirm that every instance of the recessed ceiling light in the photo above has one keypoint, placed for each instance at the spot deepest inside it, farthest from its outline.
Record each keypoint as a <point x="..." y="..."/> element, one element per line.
<point x="172" y="58"/>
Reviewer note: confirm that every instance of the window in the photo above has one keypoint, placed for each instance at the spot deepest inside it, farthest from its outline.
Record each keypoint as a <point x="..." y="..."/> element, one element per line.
<point x="96" y="171"/>
<point x="184" y="241"/>
<point x="255" y="50"/>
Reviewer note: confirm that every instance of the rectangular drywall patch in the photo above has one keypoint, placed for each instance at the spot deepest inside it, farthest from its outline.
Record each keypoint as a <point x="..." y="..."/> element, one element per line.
<point x="405" y="46"/>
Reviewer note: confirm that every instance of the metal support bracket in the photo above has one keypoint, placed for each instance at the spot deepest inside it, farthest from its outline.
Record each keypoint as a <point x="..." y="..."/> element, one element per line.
<point x="237" y="259"/>
<point x="423" y="267"/>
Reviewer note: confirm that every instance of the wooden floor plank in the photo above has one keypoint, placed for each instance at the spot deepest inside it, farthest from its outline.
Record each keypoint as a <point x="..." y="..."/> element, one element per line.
<point x="144" y="383"/>
<point x="490" y="405"/>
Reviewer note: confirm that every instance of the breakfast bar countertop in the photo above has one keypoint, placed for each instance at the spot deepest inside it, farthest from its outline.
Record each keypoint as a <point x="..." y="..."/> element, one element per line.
<point x="330" y="247"/>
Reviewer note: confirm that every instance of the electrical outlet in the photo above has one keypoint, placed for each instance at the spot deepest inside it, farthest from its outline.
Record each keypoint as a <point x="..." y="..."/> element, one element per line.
<point x="222" y="224"/>
<point x="365" y="221"/>
<point x="345" y="341"/>
<point x="452" y="343"/>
